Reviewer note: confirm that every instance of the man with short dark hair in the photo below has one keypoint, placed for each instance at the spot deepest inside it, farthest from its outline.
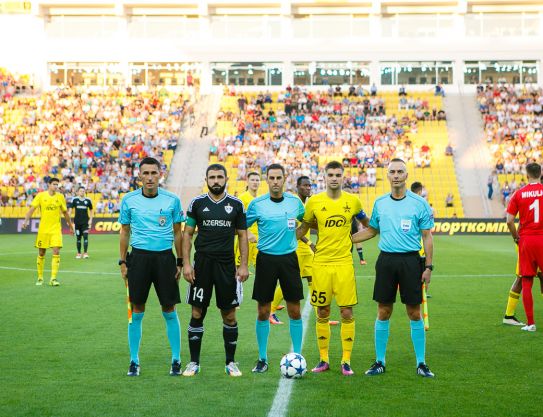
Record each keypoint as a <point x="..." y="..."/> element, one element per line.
<point x="218" y="217"/>
<point x="151" y="219"/>
<point x="305" y="252"/>
<point x="82" y="220"/>
<point x="527" y="202"/>
<point x="276" y="213"/>
<point x="402" y="218"/>
<point x="51" y="204"/>
<point x="333" y="270"/>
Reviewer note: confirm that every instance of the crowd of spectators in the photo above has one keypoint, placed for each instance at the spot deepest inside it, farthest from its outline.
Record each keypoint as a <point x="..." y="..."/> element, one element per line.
<point x="513" y="123"/>
<point x="85" y="138"/>
<point x="315" y="125"/>
<point x="11" y="85"/>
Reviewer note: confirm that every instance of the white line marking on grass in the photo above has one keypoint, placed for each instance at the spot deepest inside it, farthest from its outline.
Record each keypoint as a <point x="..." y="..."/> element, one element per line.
<point x="282" y="395"/>
<point x="9" y="268"/>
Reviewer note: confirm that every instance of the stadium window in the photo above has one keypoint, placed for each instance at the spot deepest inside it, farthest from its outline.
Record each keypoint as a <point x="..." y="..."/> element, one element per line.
<point x="471" y="72"/>
<point x="388" y="74"/>
<point x="302" y="74"/>
<point x="500" y="71"/>
<point x="444" y="71"/>
<point x="218" y="76"/>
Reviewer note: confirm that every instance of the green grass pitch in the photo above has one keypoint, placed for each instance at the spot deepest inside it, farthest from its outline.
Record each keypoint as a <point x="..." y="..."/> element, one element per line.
<point x="64" y="351"/>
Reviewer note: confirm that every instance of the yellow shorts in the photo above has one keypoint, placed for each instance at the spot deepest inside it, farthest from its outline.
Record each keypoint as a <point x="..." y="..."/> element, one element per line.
<point x="306" y="264"/>
<point x="253" y="251"/>
<point x="48" y="240"/>
<point x="333" y="281"/>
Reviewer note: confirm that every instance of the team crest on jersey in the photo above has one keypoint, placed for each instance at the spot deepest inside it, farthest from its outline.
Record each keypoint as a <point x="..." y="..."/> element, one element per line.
<point x="228" y="208"/>
<point x="346" y="209"/>
<point x="162" y="220"/>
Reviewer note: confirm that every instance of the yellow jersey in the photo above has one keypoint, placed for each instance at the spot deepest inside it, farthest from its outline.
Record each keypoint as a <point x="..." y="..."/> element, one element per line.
<point x="304" y="248"/>
<point x="334" y="219"/>
<point x="51" y="208"/>
<point x="246" y="198"/>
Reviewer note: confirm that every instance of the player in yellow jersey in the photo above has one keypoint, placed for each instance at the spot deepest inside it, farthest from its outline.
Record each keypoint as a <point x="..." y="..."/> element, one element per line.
<point x="333" y="270"/>
<point x="52" y="204"/>
<point x="253" y="184"/>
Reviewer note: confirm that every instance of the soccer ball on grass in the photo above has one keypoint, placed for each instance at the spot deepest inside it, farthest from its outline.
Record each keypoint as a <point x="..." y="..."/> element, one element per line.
<point x="293" y="365"/>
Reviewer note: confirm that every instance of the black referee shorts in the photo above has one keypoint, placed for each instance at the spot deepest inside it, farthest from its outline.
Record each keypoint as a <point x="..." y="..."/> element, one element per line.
<point x="398" y="269"/>
<point x="212" y="271"/>
<point x="269" y="269"/>
<point x="151" y="267"/>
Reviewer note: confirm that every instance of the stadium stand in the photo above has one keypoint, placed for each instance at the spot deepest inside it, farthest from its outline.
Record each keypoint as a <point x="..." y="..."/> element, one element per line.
<point x="11" y="85"/>
<point x="89" y="138"/>
<point x="513" y="121"/>
<point x="305" y="129"/>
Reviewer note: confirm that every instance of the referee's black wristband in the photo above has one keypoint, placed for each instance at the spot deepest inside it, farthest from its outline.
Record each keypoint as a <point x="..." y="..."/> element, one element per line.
<point x="179" y="262"/>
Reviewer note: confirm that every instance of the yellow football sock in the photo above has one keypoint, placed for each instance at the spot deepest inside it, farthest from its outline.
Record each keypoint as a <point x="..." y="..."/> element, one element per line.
<point x="323" y="337"/>
<point x="55" y="264"/>
<point x="40" y="263"/>
<point x="512" y="302"/>
<point x="277" y="298"/>
<point x="347" y="339"/>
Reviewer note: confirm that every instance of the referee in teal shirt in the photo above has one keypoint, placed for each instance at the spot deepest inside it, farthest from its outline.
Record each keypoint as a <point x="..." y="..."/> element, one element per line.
<point x="401" y="218"/>
<point x="150" y="221"/>
<point x="275" y="214"/>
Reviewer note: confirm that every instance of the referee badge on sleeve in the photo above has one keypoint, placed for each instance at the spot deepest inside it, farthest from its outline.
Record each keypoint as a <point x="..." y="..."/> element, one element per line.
<point x="162" y="220"/>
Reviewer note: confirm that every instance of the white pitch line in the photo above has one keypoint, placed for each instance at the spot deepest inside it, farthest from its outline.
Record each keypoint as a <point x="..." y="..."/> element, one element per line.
<point x="358" y="276"/>
<point x="284" y="390"/>
<point x="9" y="268"/>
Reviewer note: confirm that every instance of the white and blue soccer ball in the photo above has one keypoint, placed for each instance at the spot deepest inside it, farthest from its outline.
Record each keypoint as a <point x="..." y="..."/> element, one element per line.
<point x="293" y="365"/>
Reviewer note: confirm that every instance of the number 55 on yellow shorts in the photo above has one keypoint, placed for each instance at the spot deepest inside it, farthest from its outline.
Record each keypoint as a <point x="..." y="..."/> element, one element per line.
<point x="333" y="281"/>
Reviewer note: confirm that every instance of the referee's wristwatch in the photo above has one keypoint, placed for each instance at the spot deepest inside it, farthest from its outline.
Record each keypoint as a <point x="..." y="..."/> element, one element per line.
<point x="122" y="261"/>
<point x="430" y="267"/>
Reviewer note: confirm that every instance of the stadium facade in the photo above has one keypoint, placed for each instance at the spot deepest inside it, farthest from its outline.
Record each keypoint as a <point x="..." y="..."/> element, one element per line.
<point x="274" y="43"/>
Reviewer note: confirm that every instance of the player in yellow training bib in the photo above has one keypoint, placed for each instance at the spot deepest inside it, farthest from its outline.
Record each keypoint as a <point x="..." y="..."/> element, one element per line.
<point x="333" y="270"/>
<point x="253" y="184"/>
<point x="51" y="204"/>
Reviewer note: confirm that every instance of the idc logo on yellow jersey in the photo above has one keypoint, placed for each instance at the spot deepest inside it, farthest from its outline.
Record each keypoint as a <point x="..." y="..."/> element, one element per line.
<point x="336" y="220"/>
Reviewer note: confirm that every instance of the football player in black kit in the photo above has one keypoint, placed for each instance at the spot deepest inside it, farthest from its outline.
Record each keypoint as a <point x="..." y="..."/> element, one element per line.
<point x="218" y="217"/>
<point x="82" y="221"/>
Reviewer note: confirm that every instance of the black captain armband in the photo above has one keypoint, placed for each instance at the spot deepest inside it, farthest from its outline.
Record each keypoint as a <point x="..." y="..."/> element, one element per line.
<point x="179" y="262"/>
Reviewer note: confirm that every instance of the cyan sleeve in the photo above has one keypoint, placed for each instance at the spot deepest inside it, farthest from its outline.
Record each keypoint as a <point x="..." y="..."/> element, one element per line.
<point x="124" y="215"/>
<point x="374" y="221"/>
<point x="427" y="218"/>
<point x="178" y="212"/>
<point x="251" y="214"/>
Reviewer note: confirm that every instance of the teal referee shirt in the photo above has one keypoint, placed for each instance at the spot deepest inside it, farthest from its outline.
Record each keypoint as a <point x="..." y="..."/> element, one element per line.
<point x="276" y="221"/>
<point x="151" y="219"/>
<point x="400" y="222"/>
